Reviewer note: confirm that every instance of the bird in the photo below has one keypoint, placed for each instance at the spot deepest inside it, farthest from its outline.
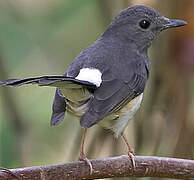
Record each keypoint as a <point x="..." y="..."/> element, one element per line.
<point x="105" y="83"/>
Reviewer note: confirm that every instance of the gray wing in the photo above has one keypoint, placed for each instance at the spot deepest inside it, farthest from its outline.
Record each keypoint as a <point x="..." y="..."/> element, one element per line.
<point x="115" y="92"/>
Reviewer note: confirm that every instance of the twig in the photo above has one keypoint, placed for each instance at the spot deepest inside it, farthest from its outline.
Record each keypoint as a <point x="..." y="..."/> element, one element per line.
<point x="146" y="166"/>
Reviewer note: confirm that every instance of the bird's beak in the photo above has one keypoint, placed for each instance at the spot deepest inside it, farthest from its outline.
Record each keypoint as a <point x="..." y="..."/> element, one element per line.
<point x="170" y="23"/>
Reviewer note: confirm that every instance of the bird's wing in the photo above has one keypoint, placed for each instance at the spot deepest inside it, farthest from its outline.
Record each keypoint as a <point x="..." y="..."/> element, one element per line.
<point x="114" y="93"/>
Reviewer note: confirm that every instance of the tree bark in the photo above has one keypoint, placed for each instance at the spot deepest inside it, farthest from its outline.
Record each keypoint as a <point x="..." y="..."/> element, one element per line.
<point x="146" y="166"/>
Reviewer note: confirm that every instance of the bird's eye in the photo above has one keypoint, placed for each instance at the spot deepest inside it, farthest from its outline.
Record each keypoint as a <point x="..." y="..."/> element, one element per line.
<point x="144" y="24"/>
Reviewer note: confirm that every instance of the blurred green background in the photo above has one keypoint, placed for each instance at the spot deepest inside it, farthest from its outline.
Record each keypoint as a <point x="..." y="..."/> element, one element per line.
<point x="43" y="37"/>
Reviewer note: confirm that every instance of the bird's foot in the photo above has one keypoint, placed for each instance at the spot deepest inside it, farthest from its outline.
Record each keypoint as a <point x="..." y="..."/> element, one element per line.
<point x="83" y="157"/>
<point x="131" y="152"/>
<point x="131" y="155"/>
<point x="10" y="172"/>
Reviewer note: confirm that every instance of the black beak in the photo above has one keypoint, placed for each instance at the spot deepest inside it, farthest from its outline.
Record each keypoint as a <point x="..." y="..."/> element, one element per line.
<point x="170" y="23"/>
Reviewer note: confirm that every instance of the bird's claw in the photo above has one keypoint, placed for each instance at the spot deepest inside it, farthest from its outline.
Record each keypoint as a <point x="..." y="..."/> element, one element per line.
<point x="131" y="155"/>
<point x="83" y="157"/>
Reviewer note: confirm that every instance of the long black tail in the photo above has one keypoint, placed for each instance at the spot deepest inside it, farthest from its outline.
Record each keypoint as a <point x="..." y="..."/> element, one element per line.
<point x="55" y="81"/>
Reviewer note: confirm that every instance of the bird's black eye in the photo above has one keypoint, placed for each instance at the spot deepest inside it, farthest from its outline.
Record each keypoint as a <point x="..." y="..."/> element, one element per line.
<point x="144" y="24"/>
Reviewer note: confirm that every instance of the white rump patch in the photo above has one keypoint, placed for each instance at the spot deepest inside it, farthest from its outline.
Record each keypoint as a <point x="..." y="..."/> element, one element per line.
<point x="91" y="75"/>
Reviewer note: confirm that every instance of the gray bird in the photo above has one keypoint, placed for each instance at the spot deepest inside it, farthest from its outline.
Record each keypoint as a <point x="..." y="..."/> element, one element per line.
<point x="105" y="83"/>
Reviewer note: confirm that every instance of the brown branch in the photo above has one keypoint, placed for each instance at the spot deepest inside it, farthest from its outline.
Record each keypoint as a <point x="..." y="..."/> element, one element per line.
<point x="146" y="166"/>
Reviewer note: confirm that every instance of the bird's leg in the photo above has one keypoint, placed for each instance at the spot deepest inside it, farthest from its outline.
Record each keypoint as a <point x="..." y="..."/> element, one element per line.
<point x="82" y="156"/>
<point x="131" y="152"/>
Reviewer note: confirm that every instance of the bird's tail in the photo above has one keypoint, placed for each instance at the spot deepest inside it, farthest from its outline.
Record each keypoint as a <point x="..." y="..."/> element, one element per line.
<point x="55" y="81"/>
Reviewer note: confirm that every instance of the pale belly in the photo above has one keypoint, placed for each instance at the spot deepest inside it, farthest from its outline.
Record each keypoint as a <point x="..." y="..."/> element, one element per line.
<point x="116" y="121"/>
<point x="119" y="120"/>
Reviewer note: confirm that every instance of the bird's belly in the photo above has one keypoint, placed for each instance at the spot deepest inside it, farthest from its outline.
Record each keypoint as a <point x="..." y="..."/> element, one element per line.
<point x="77" y="108"/>
<point x="118" y="120"/>
<point x="77" y="100"/>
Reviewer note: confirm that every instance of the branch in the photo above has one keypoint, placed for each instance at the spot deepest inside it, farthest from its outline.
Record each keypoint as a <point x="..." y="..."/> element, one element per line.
<point x="146" y="166"/>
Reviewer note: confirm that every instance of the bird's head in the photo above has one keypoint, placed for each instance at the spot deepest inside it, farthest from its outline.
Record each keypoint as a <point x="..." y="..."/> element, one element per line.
<point x="140" y="24"/>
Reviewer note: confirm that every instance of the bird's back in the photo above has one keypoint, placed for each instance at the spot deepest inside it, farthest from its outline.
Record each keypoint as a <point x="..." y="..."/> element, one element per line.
<point x="123" y="73"/>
